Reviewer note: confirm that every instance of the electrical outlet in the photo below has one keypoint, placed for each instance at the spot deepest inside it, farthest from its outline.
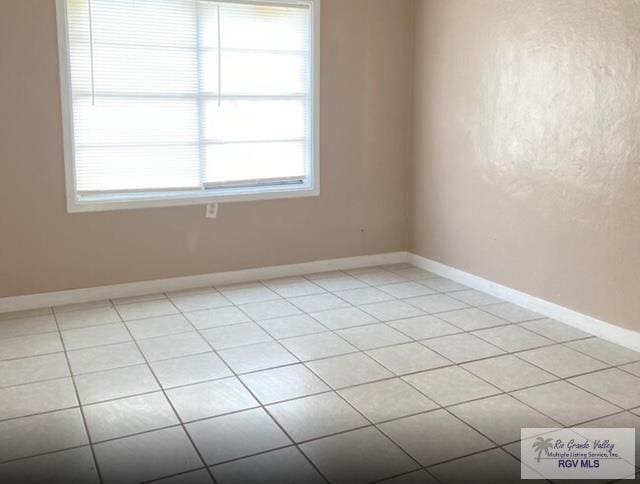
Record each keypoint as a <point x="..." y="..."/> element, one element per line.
<point x="212" y="211"/>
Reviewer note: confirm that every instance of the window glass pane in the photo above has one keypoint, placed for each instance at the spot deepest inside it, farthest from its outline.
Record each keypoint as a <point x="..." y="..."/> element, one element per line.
<point x="137" y="168"/>
<point x="117" y="121"/>
<point x="255" y="120"/>
<point x="255" y="73"/>
<point x="245" y="162"/>
<point x="135" y="70"/>
<point x="169" y="23"/>
<point x="255" y="27"/>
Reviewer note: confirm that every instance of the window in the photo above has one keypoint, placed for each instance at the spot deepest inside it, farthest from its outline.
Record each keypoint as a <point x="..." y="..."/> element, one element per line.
<point x="181" y="102"/>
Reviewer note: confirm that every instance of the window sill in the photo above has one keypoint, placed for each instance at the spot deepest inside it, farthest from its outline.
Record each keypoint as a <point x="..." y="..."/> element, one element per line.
<point x="104" y="203"/>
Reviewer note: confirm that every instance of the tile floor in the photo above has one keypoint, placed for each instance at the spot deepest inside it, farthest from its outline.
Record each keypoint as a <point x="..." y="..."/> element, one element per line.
<point x="380" y="374"/>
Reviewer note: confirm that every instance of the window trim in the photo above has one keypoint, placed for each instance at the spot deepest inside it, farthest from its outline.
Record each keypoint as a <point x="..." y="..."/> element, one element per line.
<point x="130" y="201"/>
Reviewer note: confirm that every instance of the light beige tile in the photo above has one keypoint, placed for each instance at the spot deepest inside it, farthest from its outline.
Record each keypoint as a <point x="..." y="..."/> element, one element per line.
<point x="248" y="293"/>
<point x="118" y="383"/>
<point x="236" y="335"/>
<point x="211" y="318"/>
<point x="292" y="326"/>
<point x="605" y="351"/>
<point x="448" y="437"/>
<point x="492" y="466"/>
<point x="561" y="361"/>
<point x="284" y="466"/>
<point x="633" y="368"/>
<point x="613" y="385"/>
<point x="11" y="328"/>
<point x="201" y="476"/>
<point x="237" y="435"/>
<point x="29" y="370"/>
<point x="104" y="358"/>
<point x="87" y="317"/>
<point x="257" y="357"/>
<point x="509" y="373"/>
<point x="442" y="284"/>
<point x="413" y="273"/>
<point x="159" y="326"/>
<point x="513" y="338"/>
<point x="37" y="434"/>
<point x="348" y="370"/>
<point x="406" y="289"/>
<point x="359" y="456"/>
<point x="448" y="386"/>
<point x="73" y="465"/>
<point x="336" y="281"/>
<point x="174" y="346"/>
<point x="210" y="399"/>
<point x="316" y="416"/>
<point x="146" y="456"/>
<point x="105" y="334"/>
<point x="318" y="302"/>
<point x="364" y="295"/>
<point x="423" y="327"/>
<point x="417" y="477"/>
<point x="372" y="336"/>
<point x="315" y="346"/>
<point x="190" y="369"/>
<point x="378" y="277"/>
<point x="390" y="310"/>
<point x="128" y="416"/>
<point x="146" y="309"/>
<point x="408" y="358"/>
<point x="281" y="384"/>
<point x="32" y="398"/>
<point x="554" y="330"/>
<point x="436" y="303"/>
<point x="32" y="345"/>
<point x="475" y="298"/>
<point x="198" y="299"/>
<point x="386" y="400"/>
<point x="471" y="319"/>
<point x="565" y="403"/>
<point x="343" y="318"/>
<point x="270" y="309"/>
<point x="511" y="312"/>
<point x="501" y="417"/>
<point x="293" y="287"/>
<point x="461" y="348"/>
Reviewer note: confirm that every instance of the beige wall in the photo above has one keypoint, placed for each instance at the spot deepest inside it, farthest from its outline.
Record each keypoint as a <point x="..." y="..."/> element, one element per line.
<point x="525" y="170"/>
<point x="365" y="90"/>
<point x="527" y="136"/>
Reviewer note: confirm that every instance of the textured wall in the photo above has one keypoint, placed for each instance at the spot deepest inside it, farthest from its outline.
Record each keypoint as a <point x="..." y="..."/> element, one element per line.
<point x="365" y="90"/>
<point x="527" y="133"/>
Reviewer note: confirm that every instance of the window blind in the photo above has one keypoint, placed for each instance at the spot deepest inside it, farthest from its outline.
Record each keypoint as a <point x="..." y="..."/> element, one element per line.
<point x="172" y="95"/>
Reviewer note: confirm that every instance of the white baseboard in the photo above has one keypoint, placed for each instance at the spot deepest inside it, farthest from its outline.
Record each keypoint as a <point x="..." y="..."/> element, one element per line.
<point x="59" y="298"/>
<point x="607" y="331"/>
<point x="604" y="330"/>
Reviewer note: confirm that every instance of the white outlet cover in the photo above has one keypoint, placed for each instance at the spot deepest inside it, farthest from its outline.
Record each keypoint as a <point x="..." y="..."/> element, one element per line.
<point x="212" y="210"/>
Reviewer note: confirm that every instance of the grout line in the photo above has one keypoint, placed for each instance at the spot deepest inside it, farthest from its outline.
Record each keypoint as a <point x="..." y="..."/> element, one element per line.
<point x="182" y="425"/>
<point x="235" y="375"/>
<point x="81" y="409"/>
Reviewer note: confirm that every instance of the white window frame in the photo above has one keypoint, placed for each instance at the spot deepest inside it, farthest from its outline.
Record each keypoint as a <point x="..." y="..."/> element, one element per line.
<point x="127" y="201"/>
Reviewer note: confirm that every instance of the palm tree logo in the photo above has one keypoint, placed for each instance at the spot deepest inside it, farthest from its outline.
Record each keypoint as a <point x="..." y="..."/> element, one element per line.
<point x="540" y="445"/>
